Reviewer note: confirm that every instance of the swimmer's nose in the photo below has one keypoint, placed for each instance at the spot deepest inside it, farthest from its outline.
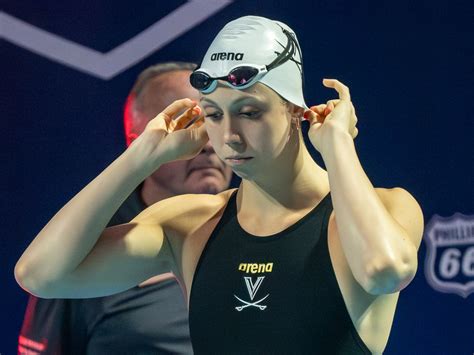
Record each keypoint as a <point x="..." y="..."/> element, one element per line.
<point x="233" y="140"/>
<point x="208" y="149"/>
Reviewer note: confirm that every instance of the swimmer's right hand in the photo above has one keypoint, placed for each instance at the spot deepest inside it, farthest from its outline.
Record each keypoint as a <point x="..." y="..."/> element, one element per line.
<point x="169" y="137"/>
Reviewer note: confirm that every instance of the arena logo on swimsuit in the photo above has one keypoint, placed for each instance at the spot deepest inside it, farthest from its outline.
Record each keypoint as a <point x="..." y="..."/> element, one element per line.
<point x="227" y="56"/>
<point x="255" y="268"/>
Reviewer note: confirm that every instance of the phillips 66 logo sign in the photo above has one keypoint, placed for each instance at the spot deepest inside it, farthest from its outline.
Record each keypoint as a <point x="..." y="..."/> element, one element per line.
<point x="449" y="264"/>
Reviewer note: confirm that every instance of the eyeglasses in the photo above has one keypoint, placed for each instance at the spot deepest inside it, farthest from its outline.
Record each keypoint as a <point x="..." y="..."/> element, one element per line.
<point x="244" y="75"/>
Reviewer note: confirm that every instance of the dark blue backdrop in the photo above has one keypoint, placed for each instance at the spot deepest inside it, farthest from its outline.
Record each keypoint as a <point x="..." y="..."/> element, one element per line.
<point x="409" y="67"/>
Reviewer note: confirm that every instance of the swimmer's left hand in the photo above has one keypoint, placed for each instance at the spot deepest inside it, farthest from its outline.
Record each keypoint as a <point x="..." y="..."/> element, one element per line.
<point x="333" y="118"/>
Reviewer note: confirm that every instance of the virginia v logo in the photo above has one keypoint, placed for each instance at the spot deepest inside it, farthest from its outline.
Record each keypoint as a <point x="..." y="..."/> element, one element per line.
<point x="252" y="288"/>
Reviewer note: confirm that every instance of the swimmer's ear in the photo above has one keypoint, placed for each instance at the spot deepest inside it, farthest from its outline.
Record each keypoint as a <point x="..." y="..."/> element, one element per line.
<point x="294" y="111"/>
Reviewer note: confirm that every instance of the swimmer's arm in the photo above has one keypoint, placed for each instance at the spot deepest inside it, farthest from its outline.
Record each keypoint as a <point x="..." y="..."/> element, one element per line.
<point x="380" y="230"/>
<point x="56" y="258"/>
<point x="124" y="256"/>
<point x="67" y="249"/>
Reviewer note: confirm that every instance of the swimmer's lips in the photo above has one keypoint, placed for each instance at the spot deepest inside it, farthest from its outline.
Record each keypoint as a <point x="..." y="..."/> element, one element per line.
<point x="237" y="160"/>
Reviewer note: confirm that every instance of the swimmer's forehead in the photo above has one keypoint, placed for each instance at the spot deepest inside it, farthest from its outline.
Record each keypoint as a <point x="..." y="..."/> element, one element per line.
<point x="225" y="96"/>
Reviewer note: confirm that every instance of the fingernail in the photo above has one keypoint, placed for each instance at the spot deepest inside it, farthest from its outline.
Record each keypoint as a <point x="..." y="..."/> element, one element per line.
<point x="196" y="110"/>
<point x="306" y="115"/>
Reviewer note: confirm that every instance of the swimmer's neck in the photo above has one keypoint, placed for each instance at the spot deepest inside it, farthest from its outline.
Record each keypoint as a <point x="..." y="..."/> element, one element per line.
<point x="296" y="186"/>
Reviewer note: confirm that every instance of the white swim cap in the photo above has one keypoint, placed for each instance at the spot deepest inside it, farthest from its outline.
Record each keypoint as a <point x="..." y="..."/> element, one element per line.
<point x="258" y="41"/>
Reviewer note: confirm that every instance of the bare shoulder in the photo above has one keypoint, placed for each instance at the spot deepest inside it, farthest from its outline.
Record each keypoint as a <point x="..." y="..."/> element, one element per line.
<point x="187" y="222"/>
<point x="396" y="195"/>
<point x="184" y="212"/>
<point x="404" y="209"/>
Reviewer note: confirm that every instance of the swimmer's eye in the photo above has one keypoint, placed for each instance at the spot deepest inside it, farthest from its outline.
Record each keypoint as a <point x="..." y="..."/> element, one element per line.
<point x="214" y="116"/>
<point x="250" y="114"/>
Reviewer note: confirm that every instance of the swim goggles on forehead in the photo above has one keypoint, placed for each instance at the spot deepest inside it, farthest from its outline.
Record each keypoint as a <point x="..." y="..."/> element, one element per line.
<point x="244" y="75"/>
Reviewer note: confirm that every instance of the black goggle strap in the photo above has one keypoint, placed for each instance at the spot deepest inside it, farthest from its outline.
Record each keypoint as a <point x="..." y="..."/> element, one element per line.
<point x="286" y="54"/>
<point x="299" y="64"/>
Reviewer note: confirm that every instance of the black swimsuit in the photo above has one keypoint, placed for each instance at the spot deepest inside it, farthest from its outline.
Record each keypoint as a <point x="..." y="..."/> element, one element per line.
<point x="270" y="295"/>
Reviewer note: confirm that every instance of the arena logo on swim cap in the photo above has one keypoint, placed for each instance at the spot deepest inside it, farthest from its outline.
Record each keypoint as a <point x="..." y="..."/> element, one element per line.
<point x="227" y="56"/>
